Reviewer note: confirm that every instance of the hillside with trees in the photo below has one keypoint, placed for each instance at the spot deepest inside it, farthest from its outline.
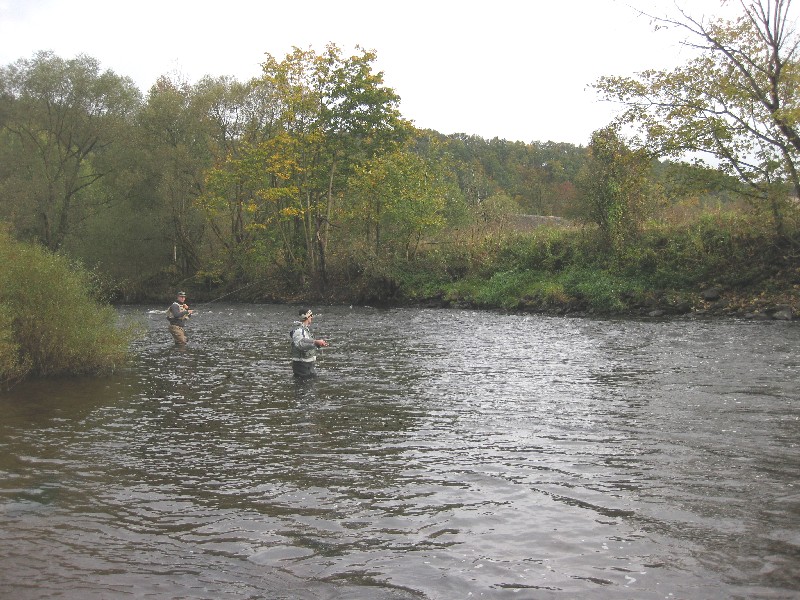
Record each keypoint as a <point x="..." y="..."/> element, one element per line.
<point x="308" y="182"/>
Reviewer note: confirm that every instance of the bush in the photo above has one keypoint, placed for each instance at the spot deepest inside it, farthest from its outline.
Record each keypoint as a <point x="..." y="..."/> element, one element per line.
<point x="49" y="323"/>
<point x="600" y="290"/>
<point x="503" y="289"/>
<point x="13" y="365"/>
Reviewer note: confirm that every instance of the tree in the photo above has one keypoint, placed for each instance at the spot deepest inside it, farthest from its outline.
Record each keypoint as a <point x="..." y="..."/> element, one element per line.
<point x="258" y="188"/>
<point x="614" y="185"/>
<point x="189" y="131"/>
<point x="496" y="211"/>
<point x="331" y="114"/>
<point x="399" y="198"/>
<point x="60" y="119"/>
<point x="737" y="102"/>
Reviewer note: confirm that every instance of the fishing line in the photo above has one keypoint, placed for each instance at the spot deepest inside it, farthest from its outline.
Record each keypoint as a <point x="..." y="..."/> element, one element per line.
<point x="228" y="294"/>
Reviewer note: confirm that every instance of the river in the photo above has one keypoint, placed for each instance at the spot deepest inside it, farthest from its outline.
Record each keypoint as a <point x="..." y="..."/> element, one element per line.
<point x="441" y="454"/>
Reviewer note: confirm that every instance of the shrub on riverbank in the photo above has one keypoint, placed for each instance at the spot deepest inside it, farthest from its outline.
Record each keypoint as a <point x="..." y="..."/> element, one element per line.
<point x="49" y="323"/>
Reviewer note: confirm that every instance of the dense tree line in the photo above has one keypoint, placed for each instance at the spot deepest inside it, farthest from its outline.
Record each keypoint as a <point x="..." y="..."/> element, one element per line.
<point x="308" y="177"/>
<point x="307" y="170"/>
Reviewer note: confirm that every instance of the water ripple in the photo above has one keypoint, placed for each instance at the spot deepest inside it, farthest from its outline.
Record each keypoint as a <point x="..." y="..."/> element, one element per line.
<point x="441" y="454"/>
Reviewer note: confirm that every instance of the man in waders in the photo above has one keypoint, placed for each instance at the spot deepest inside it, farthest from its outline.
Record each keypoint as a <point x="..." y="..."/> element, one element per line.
<point x="304" y="347"/>
<point x="177" y="314"/>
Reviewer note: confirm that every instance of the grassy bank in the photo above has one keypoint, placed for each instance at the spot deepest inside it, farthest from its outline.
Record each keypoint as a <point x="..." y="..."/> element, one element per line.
<point x="722" y="264"/>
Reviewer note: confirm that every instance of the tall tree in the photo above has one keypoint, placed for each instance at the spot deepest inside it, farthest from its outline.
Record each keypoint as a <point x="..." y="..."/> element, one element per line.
<point x="187" y="131"/>
<point x="315" y="118"/>
<point x="338" y="113"/>
<point x="60" y="119"/>
<point x="614" y="185"/>
<point x="737" y="102"/>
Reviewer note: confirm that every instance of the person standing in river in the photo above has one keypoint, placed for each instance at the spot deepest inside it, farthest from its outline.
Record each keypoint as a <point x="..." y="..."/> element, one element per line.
<point x="177" y="314"/>
<point x="304" y="347"/>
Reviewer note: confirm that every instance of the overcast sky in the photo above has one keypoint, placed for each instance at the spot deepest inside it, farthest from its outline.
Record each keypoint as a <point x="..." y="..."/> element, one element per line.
<point x="513" y="69"/>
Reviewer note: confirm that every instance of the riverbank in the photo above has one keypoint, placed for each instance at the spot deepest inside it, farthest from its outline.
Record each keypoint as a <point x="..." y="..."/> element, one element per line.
<point x="599" y="294"/>
<point x="781" y="303"/>
<point x="722" y="265"/>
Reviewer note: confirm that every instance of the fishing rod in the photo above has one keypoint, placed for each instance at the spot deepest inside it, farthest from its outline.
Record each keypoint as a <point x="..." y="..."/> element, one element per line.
<point x="228" y="294"/>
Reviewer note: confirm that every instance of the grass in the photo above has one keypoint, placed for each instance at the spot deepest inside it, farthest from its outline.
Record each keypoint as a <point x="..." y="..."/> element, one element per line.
<point x="571" y="269"/>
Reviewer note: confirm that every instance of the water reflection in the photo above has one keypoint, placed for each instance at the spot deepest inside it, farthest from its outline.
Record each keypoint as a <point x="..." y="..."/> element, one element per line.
<point x="440" y="454"/>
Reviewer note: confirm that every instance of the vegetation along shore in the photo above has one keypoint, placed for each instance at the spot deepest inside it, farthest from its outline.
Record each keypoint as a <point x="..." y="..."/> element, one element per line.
<point x="308" y="184"/>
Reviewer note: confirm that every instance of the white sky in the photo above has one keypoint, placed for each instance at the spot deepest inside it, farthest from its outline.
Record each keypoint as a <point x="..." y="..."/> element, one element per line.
<point x="512" y="69"/>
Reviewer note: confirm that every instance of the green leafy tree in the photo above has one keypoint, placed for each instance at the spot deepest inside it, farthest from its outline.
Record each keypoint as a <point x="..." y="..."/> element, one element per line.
<point x="327" y="114"/>
<point x="188" y="130"/>
<point x="496" y="212"/>
<point x="178" y="147"/>
<point x="399" y="199"/>
<point x="234" y="118"/>
<point x="614" y="185"/>
<point x="60" y="120"/>
<point x="737" y="102"/>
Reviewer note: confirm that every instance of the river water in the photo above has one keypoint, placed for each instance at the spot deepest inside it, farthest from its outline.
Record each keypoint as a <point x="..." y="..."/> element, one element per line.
<point x="441" y="454"/>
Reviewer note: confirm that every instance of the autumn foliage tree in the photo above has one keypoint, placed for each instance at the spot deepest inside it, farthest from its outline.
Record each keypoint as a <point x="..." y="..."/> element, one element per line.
<point x="737" y="102"/>
<point x="399" y="198"/>
<point x="614" y="184"/>
<point x="331" y="113"/>
<point x="60" y="122"/>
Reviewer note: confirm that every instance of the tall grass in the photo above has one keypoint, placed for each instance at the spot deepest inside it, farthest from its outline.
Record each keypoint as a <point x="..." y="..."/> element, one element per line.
<point x="569" y="269"/>
<point x="49" y="323"/>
